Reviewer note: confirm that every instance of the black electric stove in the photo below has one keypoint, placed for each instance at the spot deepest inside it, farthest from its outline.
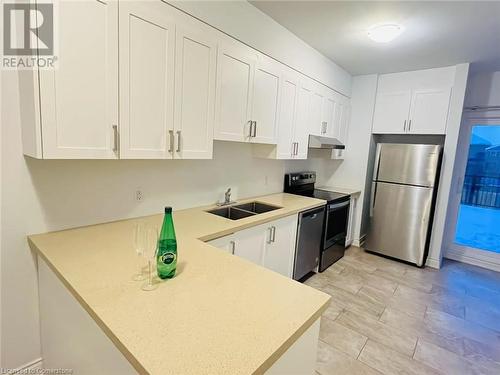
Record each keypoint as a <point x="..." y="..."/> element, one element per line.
<point x="336" y="215"/>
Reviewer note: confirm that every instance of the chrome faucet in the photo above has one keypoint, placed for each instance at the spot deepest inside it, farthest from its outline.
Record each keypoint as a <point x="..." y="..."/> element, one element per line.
<point x="227" y="198"/>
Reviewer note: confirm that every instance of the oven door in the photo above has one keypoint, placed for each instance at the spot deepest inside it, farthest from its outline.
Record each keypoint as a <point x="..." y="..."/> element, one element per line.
<point x="337" y="216"/>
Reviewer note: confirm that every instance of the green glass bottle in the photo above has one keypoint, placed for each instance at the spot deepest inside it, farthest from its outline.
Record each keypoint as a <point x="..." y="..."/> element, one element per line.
<point x="166" y="259"/>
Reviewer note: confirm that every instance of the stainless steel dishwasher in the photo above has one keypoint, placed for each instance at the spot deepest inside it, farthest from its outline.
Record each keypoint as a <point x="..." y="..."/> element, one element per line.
<point x="309" y="241"/>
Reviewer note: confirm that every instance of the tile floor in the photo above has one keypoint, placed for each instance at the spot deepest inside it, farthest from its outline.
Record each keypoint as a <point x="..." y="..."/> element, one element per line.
<point x="387" y="317"/>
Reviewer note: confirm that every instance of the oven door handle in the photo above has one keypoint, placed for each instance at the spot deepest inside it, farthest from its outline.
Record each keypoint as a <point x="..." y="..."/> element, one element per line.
<point x="336" y="206"/>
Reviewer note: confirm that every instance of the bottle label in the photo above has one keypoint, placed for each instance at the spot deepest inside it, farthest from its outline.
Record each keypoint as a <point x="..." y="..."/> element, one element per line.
<point x="167" y="258"/>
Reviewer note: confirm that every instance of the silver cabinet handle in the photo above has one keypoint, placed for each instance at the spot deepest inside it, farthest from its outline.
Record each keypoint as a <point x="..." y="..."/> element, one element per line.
<point x="404" y="126"/>
<point x="409" y="125"/>
<point x="296" y="148"/>
<point x="324" y="125"/>
<point x="115" y="138"/>
<point x="233" y="246"/>
<point x="270" y="238"/>
<point x="254" y="129"/>
<point x="171" y="134"/>
<point x="273" y="233"/>
<point x="250" y="129"/>
<point x="178" y="141"/>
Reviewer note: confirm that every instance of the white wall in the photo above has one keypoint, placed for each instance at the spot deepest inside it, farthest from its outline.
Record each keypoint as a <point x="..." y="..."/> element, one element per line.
<point x="250" y="25"/>
<point x="447" y="166"/>
<point x="483" y="89"/>
<point x="351" y="173"/>
<point x="45" y="195"/>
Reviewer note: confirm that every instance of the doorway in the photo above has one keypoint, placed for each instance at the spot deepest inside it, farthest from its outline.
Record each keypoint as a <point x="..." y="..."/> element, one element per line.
<point x="474" y="231"/>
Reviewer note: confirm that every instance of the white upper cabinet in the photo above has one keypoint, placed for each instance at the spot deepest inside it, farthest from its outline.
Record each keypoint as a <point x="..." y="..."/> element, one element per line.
<point x="296" y="105"/>
<point x="248" y="92"/>
<point x="195" y="69"/>
<point x="391" y="112"/>
<point x="345" y="118"/>
<point x="328" y="114"/>
<point x="234" y="92"/>
<point x="302" y="116"/>
<point x="287" y="119"/>
<point x="146" y="80"/>
<point x="265" y="101"/>
<point x="413" y="102"/>
<point x="316" y="124"/>
<point x="429" y="111"/>
<point x="79" y="99"/>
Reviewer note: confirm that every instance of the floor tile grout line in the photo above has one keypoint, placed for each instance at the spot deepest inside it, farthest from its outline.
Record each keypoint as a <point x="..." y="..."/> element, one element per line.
<point x="367" y="338"/>
<point x="415" y="348"/>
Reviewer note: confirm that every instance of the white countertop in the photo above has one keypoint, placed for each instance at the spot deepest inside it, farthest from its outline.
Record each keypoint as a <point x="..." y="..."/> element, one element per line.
<point x="221" y="314"/>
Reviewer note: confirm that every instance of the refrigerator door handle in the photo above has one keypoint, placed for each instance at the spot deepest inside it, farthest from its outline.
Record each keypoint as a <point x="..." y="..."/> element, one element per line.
<point x="376" y="165"/>
<point x="372" y="198"/>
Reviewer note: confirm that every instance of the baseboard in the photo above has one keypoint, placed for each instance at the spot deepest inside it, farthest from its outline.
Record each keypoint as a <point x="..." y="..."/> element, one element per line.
<point x="359" y="241"/>
<point x="433" y="263"/>
<point x="461" y="257"/>
<point x="33" y="365"/>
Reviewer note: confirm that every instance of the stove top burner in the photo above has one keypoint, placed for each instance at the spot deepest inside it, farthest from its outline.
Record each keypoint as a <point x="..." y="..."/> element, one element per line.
<point x="326" y="195"/>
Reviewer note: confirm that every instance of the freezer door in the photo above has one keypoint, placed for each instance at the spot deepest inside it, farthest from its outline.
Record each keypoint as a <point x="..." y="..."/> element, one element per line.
<point x="399" y="221"/>
<point x="407" y="164"/>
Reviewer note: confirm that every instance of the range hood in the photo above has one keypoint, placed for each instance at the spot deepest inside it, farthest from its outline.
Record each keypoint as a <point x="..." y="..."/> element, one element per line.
<point x="329" y="143"/>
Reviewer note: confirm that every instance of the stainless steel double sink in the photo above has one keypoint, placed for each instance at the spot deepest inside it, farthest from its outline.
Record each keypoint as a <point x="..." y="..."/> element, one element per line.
<point x="240" y="211"/>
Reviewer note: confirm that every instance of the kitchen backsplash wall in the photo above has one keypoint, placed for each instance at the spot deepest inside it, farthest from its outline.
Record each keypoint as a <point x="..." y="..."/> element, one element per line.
<point x="81" y="192"/>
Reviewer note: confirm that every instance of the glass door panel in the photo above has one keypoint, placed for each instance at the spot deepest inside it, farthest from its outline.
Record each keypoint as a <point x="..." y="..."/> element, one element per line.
<point x="478" y="223"/>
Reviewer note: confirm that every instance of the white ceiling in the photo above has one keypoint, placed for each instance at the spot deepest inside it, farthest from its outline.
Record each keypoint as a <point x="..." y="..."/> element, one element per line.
<point x="436" y="33"/>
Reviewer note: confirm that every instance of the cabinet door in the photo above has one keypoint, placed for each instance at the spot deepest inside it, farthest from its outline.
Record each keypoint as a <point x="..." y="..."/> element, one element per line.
<point x="234" y="88"/>
<point x="344" y="109"/>
<point x="329" y="114"/>
<point x="289" y="92"/>
<point x="266" y="99"/>
<point x="391" y="112"/>
<point x="250" y="243"/>
<point x="315" y="111"/>
<point x="195" y="68"/>
<point x="147" y="41"/>
<point x="280" y="245"/>
<point x="429" y="111"/>
<point x="79" y="99"/>
<point x="301" y="129"/>
<point x="226" y="243"/>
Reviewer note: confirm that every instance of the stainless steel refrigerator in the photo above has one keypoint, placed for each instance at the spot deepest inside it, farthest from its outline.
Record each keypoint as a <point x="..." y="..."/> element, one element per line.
<point x="402" y="200"/>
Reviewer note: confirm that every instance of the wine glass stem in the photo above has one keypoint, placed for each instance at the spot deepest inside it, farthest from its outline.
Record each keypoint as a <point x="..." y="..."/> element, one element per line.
<point x="150" y="264"/>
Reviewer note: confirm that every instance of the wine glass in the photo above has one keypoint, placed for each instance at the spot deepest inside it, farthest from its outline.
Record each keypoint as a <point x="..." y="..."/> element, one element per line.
<point x="139" y="246"/>
<point x="150" y="250"/>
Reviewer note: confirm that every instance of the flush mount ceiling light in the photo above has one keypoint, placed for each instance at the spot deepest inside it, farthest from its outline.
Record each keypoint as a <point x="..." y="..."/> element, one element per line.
<point x="385" y="33"/>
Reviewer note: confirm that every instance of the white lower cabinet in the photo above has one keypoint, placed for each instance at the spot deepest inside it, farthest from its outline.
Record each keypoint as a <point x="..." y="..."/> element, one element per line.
<point x="271" y="245"/>
<point x="279" y="250"/>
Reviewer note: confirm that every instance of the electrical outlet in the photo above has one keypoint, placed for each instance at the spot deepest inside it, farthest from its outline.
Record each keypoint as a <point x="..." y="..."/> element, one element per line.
<point x="139" y="195"/>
